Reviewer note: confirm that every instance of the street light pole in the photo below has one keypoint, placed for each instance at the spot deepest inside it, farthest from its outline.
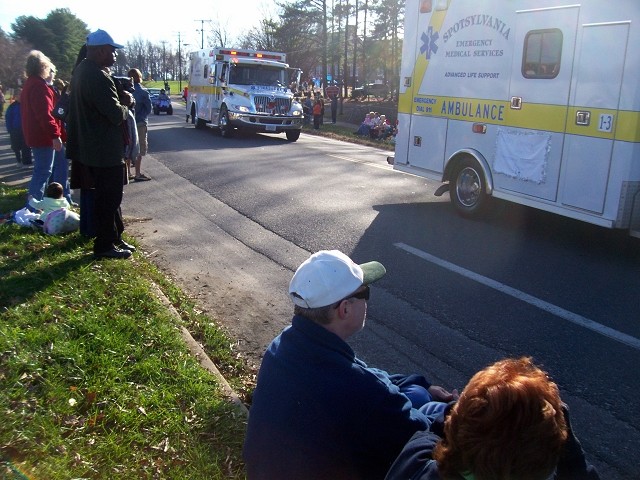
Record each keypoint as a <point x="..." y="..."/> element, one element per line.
<point x="202" y="31"/>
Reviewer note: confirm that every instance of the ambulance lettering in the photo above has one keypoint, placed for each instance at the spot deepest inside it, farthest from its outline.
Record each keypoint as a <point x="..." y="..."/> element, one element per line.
<point x="478" y="20"/>
<point x="482" y="111"/>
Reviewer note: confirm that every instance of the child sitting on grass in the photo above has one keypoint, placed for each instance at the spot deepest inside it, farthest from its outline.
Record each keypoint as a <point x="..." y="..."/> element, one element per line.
<point x="55" y="215"/>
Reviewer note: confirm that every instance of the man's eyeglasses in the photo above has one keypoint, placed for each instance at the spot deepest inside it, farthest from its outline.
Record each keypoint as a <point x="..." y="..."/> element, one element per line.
<point x="362" y="295"/>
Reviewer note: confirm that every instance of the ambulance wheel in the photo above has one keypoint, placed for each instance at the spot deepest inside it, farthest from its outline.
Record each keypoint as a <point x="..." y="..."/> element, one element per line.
<point x="293" y="135"/>
<point x="226" y="130"/>
<point x="468" y="189"/>
<point x="200" y="123"/>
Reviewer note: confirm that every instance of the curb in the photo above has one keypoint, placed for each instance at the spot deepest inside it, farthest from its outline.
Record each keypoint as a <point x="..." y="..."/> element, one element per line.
<point x="198" y="352"/>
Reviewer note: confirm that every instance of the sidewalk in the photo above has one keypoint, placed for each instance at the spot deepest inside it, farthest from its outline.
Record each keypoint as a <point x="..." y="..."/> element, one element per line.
<point x="10" y="172"/>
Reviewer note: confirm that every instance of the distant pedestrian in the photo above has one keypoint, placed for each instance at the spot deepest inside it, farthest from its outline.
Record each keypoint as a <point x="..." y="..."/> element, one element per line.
<point x="2" y="101"/>
<point x="334" y="108"/>
<point x="13" y="121"/>
<point x="142" y="110"/>
<point x="307" y="108"/>
<point x="318" y="107"/>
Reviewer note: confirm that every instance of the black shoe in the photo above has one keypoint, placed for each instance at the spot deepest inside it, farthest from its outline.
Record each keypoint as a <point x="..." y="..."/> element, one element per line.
<point x="126" y="246"/>
<point x="114" y="252"/>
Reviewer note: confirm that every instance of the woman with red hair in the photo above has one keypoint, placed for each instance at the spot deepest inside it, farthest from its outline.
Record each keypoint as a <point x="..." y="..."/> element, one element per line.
<point x="508" y="424"/>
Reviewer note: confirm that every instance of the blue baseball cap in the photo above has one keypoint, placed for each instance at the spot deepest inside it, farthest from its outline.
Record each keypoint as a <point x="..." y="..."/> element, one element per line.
<point x="100" y="37"/>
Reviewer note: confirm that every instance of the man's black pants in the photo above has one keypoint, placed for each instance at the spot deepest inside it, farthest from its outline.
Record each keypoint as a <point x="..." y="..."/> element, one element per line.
<point x="108" y="182"/>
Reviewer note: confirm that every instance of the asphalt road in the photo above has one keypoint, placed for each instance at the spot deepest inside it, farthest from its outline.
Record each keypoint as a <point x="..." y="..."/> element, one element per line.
<point x="232" y="218"/>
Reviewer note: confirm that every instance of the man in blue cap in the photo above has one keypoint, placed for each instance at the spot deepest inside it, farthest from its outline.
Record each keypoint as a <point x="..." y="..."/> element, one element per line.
<point x="95" y="139"/>
<point x="319" y="412"/>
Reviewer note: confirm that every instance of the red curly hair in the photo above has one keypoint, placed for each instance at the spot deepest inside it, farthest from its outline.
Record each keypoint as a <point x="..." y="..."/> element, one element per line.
<point x="508" y="424"/>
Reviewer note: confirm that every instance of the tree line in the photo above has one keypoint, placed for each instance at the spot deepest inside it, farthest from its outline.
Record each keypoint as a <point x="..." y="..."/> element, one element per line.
<point x="353" y="41"/>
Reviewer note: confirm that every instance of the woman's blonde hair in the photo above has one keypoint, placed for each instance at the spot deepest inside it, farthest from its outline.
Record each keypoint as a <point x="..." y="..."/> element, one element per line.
<point x="37" y="64"/>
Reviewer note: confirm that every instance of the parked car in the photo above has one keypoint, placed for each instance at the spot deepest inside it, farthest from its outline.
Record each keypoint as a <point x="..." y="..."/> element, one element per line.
<point x="370" y="90"/>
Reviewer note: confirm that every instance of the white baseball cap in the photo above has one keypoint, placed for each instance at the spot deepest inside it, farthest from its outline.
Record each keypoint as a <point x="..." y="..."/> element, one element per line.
<point x="100" y="37"/>
<point x="328" y="276"/>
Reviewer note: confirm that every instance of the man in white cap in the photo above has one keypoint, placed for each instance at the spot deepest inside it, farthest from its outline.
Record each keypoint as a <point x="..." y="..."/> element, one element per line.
<point x="319" y="412"/>
<point x="95" y="139"/>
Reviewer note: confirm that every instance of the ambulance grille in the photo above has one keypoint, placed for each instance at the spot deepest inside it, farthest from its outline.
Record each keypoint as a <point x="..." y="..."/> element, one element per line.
<point x="272" y="106"/>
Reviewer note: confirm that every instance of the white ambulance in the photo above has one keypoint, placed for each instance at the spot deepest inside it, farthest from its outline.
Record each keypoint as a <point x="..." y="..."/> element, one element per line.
<point x="532" y="101"/>
<point x="243" y="89"/>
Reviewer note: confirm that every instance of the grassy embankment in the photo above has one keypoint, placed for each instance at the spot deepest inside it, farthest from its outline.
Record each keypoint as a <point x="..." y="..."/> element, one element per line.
<point x="95" y="380"/>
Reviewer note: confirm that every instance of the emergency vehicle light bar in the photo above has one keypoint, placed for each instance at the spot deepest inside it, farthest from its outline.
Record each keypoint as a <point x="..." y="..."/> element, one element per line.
<point x="236" y="53"/>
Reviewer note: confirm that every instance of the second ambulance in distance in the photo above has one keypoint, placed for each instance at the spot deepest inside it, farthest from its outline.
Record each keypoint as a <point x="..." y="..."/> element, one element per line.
<point x="243" y="89"/>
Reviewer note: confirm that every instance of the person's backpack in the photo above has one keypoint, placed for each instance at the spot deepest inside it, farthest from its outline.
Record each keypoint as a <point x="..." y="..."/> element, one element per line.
<point x="61" y="109"/>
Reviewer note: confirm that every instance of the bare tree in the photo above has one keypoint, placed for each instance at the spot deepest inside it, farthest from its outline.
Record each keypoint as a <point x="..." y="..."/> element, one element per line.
<point x="13" y="55"/>
<point x="220" y="36"/>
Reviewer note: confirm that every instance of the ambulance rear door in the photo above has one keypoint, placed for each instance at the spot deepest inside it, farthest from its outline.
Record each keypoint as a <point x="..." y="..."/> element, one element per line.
<point x="529" y="150"/>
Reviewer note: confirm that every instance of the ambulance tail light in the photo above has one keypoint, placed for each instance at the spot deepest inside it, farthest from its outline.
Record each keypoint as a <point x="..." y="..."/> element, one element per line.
<point x="479" y="128"/>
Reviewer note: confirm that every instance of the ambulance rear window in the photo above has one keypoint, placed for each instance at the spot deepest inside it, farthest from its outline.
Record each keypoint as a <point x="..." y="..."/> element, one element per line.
<point x="542" y="54"/>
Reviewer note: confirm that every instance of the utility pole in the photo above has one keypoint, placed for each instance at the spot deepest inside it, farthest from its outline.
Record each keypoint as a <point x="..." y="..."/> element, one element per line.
<point x="164" y="61"/>
<point x="179" y="64"/>
<point x="202" y="31"/>
<point x="184" y="45"/>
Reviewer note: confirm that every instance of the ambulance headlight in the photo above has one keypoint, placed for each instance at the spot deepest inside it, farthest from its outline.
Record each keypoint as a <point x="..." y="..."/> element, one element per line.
<point x="241" y="108"/>
<point x="297" y="113"/>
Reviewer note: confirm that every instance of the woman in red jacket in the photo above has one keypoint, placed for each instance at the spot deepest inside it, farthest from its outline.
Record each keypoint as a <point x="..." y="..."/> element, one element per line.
<point x="42" y="132"/>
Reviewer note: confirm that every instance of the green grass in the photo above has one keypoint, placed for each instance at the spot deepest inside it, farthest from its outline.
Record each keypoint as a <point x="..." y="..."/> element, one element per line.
<point x="95" y="380"/>
<point x="174" y="85"/>
<point x="339" y="132"/>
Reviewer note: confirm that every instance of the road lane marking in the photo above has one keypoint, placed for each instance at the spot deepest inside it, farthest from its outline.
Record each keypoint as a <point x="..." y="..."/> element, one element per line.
<point x="525" y="297"/>
<point x="363" y="162"/>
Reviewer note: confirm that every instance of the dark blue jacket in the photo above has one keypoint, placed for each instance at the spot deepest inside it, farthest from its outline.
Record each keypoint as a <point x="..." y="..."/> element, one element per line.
<point x="143" y="103"/>
<point x="318" y="412"/>
<point x="13" y="118"/>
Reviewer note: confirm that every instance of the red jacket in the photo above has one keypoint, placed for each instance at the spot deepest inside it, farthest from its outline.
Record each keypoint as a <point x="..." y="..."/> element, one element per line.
<point x="39" y="126"/>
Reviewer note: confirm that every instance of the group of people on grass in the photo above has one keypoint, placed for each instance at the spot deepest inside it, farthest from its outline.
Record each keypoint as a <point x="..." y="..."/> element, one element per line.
<point x="377" y="127"/>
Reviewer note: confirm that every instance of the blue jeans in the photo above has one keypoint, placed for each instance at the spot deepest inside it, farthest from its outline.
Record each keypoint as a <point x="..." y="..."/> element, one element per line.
<point x="42" y="168"/>
<point x="421" y="400"/>
<point x="60" y="172"/>
<point x="49" y="165"/>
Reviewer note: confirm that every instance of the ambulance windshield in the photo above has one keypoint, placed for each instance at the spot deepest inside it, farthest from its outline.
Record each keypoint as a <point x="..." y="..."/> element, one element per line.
<point x="257" y="75"/>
